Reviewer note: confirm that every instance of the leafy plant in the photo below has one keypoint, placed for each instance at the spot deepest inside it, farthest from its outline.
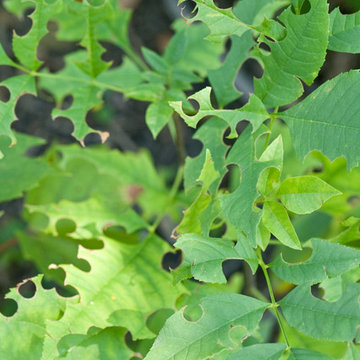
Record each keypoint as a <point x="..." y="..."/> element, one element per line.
<point x="280" y="194"/>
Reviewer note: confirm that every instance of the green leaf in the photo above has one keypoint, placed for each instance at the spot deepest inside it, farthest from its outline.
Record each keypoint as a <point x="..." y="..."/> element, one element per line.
<point x="25" y="47"/>
<point x="17" y="85"/>
<point x="208" y="134"/>
<point x="326" y="120"/>
<point x="221" y="78"/>
<point x="206" y="255"/>
<point x="344" y="32"/>
<point x="101" y="344"/>
<point x="91" y="216"/>
<point x="209" y="335"/>
<point x="327" y="260"/>
<point x="28" y="325"/>
<point x="93" y="65"/>
<point x="305" y="194"/>
<point x="307" y="354"/>
<point x="107" y="292"/>
<point x="158" y="114"/>
<point x="194" y="220"/>
<point x="353" y="352"/>
<point x="221" y="22"/>
<point x="4" y="58"/>
<point x="336" y="321"/>
<point x="276" y="220"/>
<point x="299" y="56"/>
<point x="259" y="352"/>
<point x="19" y="173"/>
<point x="254" y="111"/>
<point x="238" y="207"/>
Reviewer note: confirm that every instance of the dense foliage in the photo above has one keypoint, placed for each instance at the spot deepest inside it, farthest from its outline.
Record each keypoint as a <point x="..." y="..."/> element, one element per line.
<point x="276" y="185"/>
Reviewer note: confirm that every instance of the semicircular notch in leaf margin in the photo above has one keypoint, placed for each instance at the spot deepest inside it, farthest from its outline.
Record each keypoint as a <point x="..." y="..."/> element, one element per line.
<point x="259" y="352"/>
<point x="206" y="255"/>
<point x="337" y="321"/>
<point x="17" y="85"/>
<point x="328" y="120"/>
<point x="114" y="292"/>
<point x="299" y="56"/>
<point x="305" y="194"/>
<point x="28" y="325"/>
<point x="327" y="261"/>
<point x="209" y="335"/>
<point x="238" y="207"/>
<point x="344" y="32"/>
<point x="25" y="47"/>
<point x="223" y="23"/>
<point x="87" y="93"/>
<point x="254" y="111"/>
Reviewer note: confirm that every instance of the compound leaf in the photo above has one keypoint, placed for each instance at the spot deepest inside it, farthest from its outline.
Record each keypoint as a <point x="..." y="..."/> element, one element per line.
<point x="337" y="321"/>
<point x="298" y="56"/>
<point x="208" y="134"/>
<point x="25" y="47"/>
<point x="344" y="32"/>
<point x="238" y="207"/>
<point x="276" y="220"/>
<point x="305" y="194"/>
<point x="327" y="119"/>
<point x="17" y="85"/>
<point x="206" y="255"/>
<point x="254" y="111"/>
<point x="199" y="340"/>
<point x="327" y="260"/>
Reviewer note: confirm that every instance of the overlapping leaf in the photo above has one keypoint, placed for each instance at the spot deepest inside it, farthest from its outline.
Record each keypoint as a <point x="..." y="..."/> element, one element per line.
<point x="260" y="352"/>
<point x="337" y="321"/>
<point x="344" y="32"/>
<point x="327" y="260"/>
<point x="327" y="120"/>
<point x="305" y="194"/>
<point x="299" y="55"/>
<point x="209" y="335"/>
<point x="206" y="255"/>
<point x="238" y="207"/>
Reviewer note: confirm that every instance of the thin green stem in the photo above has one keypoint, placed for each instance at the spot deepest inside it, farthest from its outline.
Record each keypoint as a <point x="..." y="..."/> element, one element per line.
<point x="275" y="305"/>
<point x="273" y="116"/>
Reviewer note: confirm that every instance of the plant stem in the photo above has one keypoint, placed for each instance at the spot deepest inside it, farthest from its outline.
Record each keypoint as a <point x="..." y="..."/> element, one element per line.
<point x="275" y="305"/>
<point x="179" y="141"/>
<point x="273" y="116"/>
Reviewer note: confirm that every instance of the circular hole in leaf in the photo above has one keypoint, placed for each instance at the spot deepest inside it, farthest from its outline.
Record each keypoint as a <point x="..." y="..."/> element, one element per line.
<point x="224" y="4"/>
<point x="8" y="307"/>
<point x="304" y="7"/>
<point x="4" y="94"/>
<point x="188" y="9"/>
<point x="65" y="226"/>
<point x="193" y="312"/>
<point x="171" y="260"/>
<point x="27" y="289"/>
